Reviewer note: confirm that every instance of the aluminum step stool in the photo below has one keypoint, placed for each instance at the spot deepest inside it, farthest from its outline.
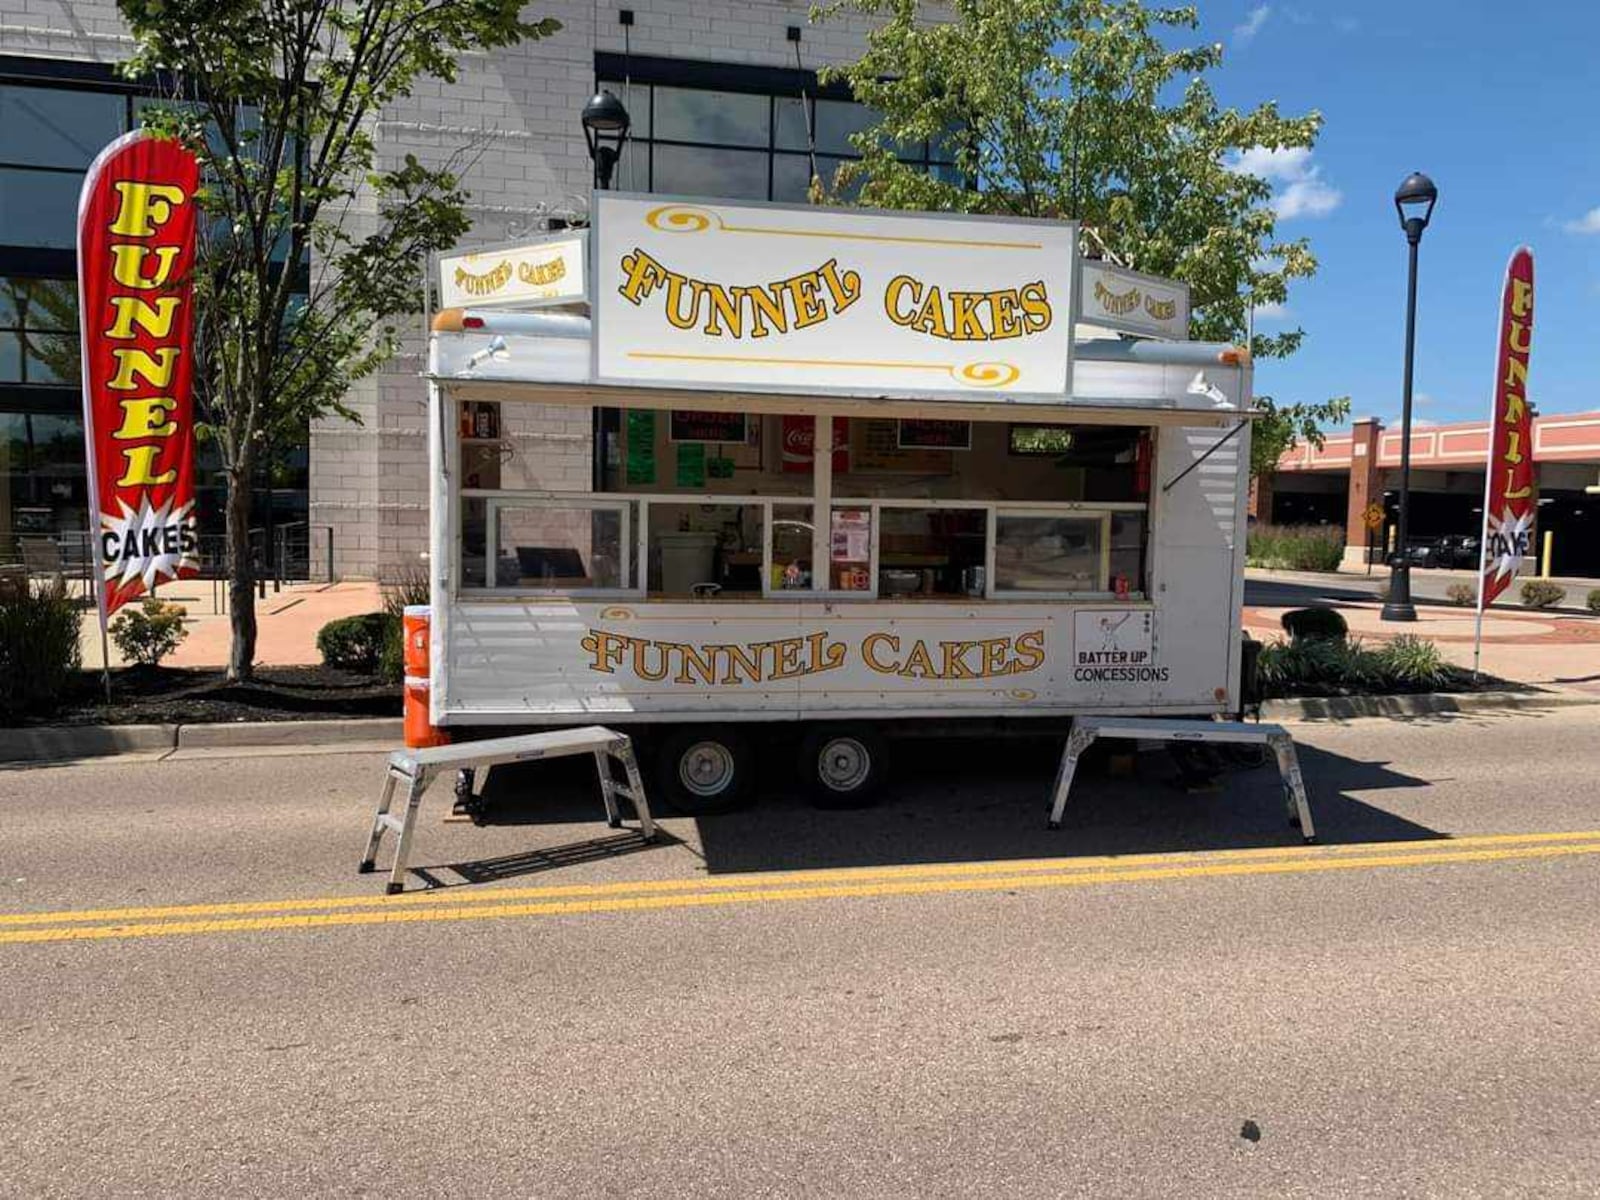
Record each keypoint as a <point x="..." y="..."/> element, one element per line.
<point x="419" y="768"/>
<point x="1086" y="729"/>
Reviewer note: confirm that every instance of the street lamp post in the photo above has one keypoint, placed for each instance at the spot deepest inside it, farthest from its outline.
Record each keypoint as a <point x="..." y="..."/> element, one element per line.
<point x="1413" y="200"/>
<point x="605" y="128"/>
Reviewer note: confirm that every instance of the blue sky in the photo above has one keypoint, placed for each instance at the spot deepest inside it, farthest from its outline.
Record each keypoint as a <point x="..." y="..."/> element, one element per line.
<point x="1500" y="104"/>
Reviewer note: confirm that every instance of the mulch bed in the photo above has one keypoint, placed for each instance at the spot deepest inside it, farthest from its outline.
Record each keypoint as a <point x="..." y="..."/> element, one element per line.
<point x="189" y="696"/>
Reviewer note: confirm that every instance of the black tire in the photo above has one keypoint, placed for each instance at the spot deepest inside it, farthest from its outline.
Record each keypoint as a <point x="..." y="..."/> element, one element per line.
<point x="467" y="804"/>
<point x="702" y="770"/>
<point x="844" y="766"/>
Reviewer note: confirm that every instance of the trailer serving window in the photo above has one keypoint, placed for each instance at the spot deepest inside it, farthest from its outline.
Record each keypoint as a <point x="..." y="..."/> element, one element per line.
<point x="724" y="507"/>
<point x="571" y="545"/>
<point x="1051" y="553"/>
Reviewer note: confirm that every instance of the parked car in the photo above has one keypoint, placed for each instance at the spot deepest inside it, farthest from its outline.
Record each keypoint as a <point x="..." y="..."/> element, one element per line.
<point x="1423" y="552"/>
<point x="1461" y="551"/>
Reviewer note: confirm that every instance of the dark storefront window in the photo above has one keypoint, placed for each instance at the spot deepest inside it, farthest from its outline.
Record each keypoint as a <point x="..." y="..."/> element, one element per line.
<point x="42" y="473"/>
<point x="48" y="138"/>
<point x="38" y="331"/>
<point x="701" y="129"/>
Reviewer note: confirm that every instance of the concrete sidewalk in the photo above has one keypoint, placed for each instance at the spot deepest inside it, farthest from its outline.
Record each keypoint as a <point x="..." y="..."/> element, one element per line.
<point x="1431" y="584"/>
<point x="286" y="623"/>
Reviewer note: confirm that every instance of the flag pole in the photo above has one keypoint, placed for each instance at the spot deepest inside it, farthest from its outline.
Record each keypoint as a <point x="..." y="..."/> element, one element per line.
<point x="85" y="341"/>
<point x="105" y="644"/>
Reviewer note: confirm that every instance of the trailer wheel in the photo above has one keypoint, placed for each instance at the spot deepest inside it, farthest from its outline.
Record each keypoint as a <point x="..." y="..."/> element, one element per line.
<point x="704" y="770"/>
<point x="845" y="767"/>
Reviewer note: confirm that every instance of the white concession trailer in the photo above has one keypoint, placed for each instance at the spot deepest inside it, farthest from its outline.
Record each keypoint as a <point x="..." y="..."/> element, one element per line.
<point x="707" y="466"/>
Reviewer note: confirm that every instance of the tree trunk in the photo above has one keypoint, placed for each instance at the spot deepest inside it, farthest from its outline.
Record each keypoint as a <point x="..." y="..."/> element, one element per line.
<point x="241" y="574"/>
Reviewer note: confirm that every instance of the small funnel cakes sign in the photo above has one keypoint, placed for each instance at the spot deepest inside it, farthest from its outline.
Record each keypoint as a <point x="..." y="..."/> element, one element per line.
<point x="547" y="271"/>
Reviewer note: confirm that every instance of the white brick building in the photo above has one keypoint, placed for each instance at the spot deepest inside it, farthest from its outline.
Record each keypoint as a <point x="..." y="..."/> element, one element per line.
<point x="714" y="91"/>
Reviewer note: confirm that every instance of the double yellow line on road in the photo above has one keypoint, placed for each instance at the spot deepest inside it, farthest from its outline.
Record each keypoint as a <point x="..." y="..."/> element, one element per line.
<point x="251" y="916"/>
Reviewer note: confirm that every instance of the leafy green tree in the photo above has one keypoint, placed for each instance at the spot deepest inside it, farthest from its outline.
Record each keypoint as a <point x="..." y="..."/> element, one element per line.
<point x="310" y="249"/>
<point x="1080" y="109"/>
<point x="1281" y="427"/>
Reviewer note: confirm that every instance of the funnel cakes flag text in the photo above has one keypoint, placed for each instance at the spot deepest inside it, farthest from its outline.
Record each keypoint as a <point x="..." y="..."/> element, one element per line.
<point x="136" y="233"/>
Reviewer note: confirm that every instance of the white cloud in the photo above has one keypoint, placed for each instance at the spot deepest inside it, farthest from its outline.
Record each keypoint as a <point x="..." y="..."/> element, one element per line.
<point x="1271" y="310"/>
<point x="1247" y="30"/>
<point x="1296" y="15"/>
<point x="1588" y="223"/>
<point x="1301" y="189"/>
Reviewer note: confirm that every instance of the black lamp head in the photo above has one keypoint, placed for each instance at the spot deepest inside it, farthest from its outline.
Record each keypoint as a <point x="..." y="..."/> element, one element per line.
<point x="1414" y="200"/>
<point x="605" y="128"/>
<point x="605" y="115"/>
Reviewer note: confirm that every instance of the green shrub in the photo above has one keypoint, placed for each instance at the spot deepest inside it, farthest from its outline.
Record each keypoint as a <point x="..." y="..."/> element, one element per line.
<point x="1330" y="667"/>
<point x="40" y="654"/>
<point x="1319" y="621"/>
<point x="406" y="587"/>
<point x="356" y="643"/>
<point x="1413" y="662"/>
<point x="1463" y="595"/>
<point x="150" y="632"/>
<point x="392" y="655"/>
<point x="1541" y="593"/>
<point x="1313" y="666"/>
<point x="1594" y="600"/>
<point x="1295" y="548"/>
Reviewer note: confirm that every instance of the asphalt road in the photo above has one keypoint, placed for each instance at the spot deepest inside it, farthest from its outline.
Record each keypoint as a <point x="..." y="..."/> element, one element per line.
<point x="947" y="1000"/>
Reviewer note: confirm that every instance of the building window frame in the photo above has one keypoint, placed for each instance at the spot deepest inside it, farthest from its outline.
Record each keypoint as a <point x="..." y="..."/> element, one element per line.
<point x="646" y="73"/>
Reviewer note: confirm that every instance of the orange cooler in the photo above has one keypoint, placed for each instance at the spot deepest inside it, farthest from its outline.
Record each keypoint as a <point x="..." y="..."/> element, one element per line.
<point x="419" y="728"/>
<point x="414" y="621"/>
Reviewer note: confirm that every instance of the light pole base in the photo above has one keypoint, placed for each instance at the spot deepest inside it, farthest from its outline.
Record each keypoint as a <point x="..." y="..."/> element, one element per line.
<point x="1401" y="611"/>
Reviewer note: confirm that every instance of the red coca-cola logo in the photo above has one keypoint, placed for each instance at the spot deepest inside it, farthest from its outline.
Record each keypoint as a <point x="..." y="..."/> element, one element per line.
<point x="800" y="443"/>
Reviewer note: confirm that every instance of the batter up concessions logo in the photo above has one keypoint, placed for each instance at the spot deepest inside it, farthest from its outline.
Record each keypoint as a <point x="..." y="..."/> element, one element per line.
<point x="136" y="224"/>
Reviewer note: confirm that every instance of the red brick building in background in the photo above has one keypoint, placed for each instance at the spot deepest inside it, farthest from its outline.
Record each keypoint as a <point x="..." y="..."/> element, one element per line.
<point x="1334" y="485"/>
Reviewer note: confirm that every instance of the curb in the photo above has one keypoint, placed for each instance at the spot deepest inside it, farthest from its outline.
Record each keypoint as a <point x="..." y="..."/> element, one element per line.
<point x="290" y="733"/>
<point x="1342" y="708"/>
<point x="60" y="742"/>
<point x="63" y="743"/>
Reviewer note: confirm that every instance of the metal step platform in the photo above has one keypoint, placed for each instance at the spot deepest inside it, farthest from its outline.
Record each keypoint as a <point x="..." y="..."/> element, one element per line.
<point x="417" y="769"/>
<point x="1086" y="729"/>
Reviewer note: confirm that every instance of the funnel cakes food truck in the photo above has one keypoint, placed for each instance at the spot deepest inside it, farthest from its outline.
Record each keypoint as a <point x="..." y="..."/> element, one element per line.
<point x="704" y="466"/>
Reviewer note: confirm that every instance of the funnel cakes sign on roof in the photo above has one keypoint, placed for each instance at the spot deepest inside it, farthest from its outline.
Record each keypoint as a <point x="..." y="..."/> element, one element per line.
<point x="769" y="297"/>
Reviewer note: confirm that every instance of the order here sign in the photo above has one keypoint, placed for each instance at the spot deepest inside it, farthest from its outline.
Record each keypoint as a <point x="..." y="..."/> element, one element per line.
<point x="808" y="299"/>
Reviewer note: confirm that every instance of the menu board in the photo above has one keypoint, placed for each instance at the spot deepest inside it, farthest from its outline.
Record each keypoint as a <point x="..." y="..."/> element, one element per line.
<point x="690" y="425"/>
<point x="692" y="465"/>
<point x="641" y="437"/>
<point x="875" y="449"/>
<point x="918" y="434"/>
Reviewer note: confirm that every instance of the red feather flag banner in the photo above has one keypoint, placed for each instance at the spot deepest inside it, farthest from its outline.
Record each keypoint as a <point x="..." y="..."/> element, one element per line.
<point x="136" y="252"/>
<point x="1509" y="504"/>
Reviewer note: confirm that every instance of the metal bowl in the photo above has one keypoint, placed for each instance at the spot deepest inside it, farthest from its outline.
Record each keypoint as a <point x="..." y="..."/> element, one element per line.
<point x="900" y="583"/>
